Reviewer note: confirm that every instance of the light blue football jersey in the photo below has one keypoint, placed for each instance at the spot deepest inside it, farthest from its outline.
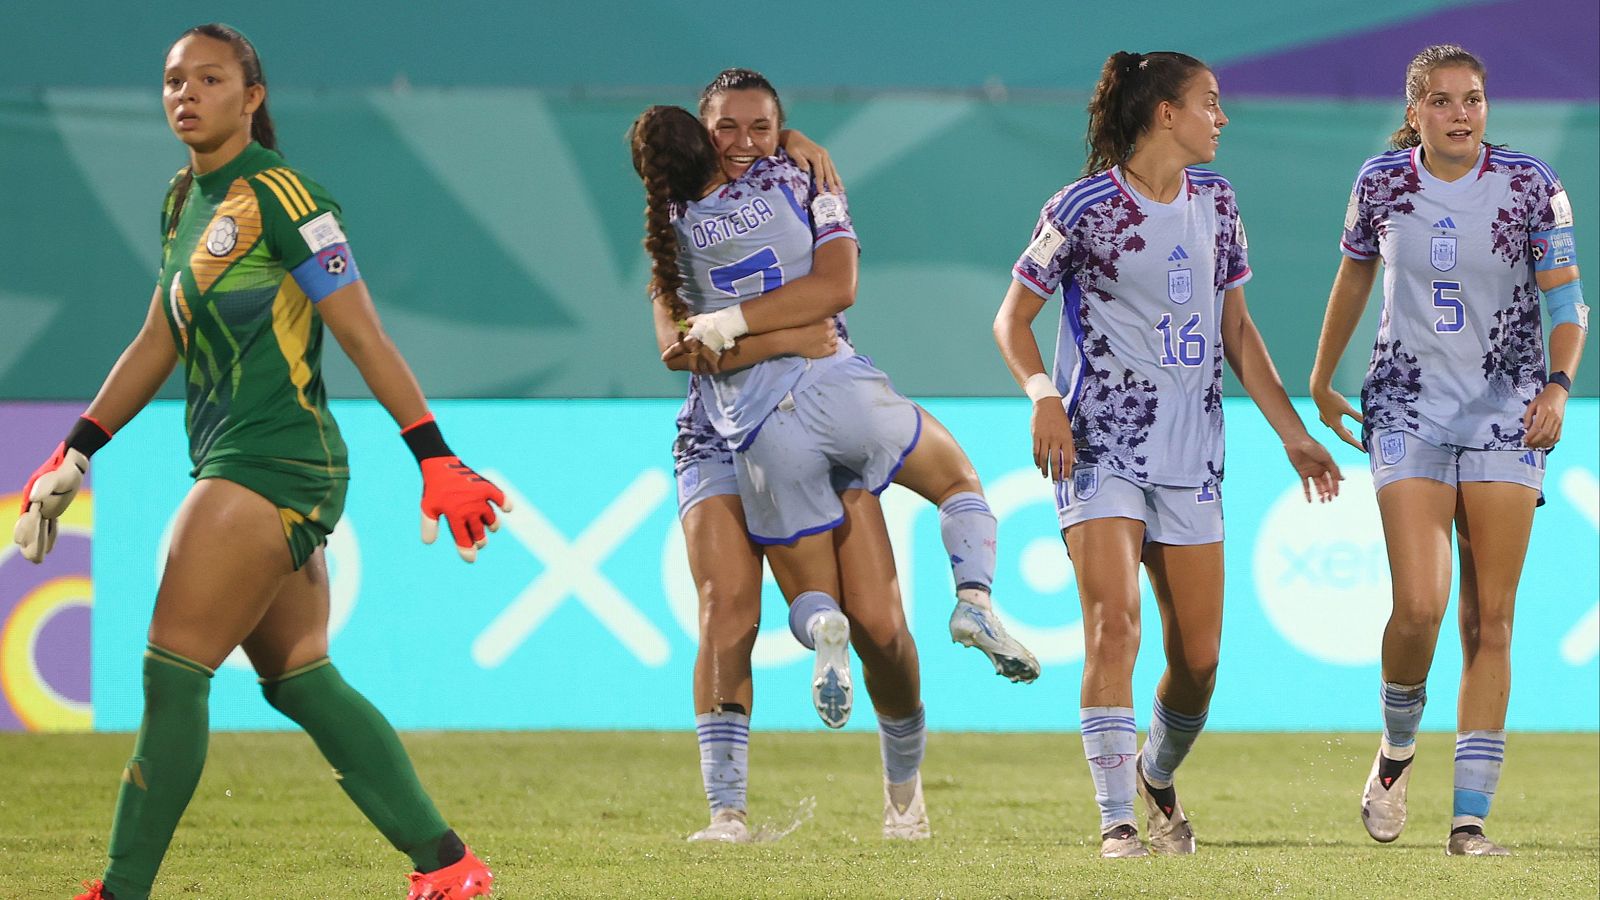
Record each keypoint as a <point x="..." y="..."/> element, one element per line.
<point x="1139" y="349"/>
<point x="752" y="236"/>
<point x="1460" y="348"/>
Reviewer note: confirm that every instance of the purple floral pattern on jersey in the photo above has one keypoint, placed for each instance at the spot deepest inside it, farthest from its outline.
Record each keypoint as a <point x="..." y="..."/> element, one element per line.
<point x="1530" y="211"/>
<point x="697" y="440"/>
<point x="1380" y="194"/>
<point x="1394" y="382"/>
<point x="1232" y="259"/>
<point x="1114" y="413"/>
<point x="1101" y="238"/>
<point x="1514" y="365"/>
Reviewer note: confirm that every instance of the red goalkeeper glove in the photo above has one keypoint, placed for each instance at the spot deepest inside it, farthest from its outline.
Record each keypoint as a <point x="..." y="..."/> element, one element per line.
<point x="453" y="491"/>
<point x="52" y="487"/>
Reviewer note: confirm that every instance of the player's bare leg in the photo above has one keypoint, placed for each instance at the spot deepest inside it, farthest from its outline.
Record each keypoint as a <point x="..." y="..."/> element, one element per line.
<point x="1106" y="554"/>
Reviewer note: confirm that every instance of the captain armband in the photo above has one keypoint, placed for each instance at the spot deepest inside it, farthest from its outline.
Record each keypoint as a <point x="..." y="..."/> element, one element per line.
<point x="1553" y="249"/>
<point x="1566" y="305"/>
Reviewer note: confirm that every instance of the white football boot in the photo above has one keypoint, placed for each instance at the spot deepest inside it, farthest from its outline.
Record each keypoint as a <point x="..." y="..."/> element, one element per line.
<point x="908" y="821"/>
<point x="1383" y="806"/>
<point x="1122" y="842"/>
<point x="1473" y="843"/>
<point x="1169" y="829"/>
<point x="976" y="624"/>
<point x="728" y="826"/>
<point x="830" y="682"/>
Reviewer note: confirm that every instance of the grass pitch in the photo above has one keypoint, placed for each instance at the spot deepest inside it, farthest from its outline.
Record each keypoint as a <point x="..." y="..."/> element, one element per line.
<point x="604" y="814"/>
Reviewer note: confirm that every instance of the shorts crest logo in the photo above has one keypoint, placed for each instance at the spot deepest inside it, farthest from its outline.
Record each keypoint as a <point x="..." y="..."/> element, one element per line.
<point x="1180" y="285"/>
<point x="1443" y="253"/>
<point x="1086" y="481"/>
<point x="223" y="237"/>
<point x="1392" y="448"/>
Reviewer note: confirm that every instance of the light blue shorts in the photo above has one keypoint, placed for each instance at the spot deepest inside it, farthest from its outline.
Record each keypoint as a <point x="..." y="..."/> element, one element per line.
<point x="849" y="428"/>
<point x="1396" y="455"/>
<point x="709" y="478"/>
<point x="703" y="480"/>
<point x="1171" y="515"/>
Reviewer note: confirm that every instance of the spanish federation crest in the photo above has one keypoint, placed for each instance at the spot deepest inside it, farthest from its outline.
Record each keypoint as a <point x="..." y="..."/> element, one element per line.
<point x="1180" y="285"/>
<point x="1085" y="481"/>
<point x="222" y="238"/>
<point x="1392" y="447"/>
<point x="1443" y="253"/>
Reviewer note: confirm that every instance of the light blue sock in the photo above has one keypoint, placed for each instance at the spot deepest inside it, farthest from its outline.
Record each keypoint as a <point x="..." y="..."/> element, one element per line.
<point x="1109" y="742"/>
<point x="903" y="742"/>
<point x="724" y="758"/>
<point x="968" y="529"/>
<point x="1171" y="735"/>
<point x="1402" y="712"/>
<point x="804" y="608"/>
<point x="1479" y="755"/>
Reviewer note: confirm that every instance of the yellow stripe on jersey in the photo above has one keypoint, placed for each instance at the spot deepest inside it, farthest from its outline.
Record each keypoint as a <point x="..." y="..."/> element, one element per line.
<point x="292" y="321"/>
<point x="296" y="201"/>
<point x="299" y="189"/>
<point x="234" y="230"/>
<point x="280" y="192"/>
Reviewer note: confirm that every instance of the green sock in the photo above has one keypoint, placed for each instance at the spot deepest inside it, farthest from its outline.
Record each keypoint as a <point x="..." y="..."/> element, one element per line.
<point x="368" y="760"/>
<point x="160" y="778"/>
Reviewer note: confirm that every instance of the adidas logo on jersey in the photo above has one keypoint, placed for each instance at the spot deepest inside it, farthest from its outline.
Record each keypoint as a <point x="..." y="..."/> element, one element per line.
<point x="1177" y="254"/>
<point x="1445" y="222"/>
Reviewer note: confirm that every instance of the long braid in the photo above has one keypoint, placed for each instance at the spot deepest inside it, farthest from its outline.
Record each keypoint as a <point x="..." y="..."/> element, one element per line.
<point x="674" y="158"/>
<point x="660" y="238"/>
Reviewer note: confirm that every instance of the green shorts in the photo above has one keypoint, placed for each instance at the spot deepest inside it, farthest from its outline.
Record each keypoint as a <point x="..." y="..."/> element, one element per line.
<point x="309" y="500"/>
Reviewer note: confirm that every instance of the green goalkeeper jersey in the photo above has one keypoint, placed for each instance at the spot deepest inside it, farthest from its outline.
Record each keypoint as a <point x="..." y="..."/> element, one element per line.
<point x="245" y="261"/>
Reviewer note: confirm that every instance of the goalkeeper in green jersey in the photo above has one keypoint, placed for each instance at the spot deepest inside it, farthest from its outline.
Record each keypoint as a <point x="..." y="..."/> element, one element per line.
<point x="254" y="261"/>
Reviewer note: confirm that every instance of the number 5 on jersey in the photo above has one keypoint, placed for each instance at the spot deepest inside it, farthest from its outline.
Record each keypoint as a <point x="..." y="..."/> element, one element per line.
<point x="1447" y="296"/>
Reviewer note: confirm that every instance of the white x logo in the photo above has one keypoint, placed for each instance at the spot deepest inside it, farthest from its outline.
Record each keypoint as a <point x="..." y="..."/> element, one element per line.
<point x="574" y="568"/>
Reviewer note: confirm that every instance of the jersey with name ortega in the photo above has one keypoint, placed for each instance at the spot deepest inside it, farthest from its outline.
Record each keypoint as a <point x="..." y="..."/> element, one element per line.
<point x="749" y="237"/>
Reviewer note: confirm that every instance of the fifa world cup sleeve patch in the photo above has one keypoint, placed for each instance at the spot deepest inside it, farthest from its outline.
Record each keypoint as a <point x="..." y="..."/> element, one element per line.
<point x="322" y="232"/>
<point x="1043" y="249"/>
<point x="326" y="270"/>
<point x="828" y="211"/>
<point x="1561" y="208"/>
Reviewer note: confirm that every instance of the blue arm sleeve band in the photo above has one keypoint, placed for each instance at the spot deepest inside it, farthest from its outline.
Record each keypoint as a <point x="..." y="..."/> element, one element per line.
<point x="326" y="271"/>
<point x="1566" y="305"/>
<point x="1553" y="249"/>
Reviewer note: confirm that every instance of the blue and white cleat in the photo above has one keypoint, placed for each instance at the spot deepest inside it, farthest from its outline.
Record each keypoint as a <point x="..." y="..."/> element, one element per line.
<point x="975" y="625"/>
<point x="830" y="683"/>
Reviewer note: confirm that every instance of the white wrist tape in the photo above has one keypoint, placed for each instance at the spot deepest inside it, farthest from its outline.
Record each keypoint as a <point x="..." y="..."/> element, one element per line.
<point x="720" y="329"/>
<point x="1040" y="386"/>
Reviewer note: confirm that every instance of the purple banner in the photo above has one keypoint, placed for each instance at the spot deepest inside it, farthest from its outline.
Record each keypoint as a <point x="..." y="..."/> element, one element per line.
<point x="1533" y="50"/>
<point x="44" y="609"/>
